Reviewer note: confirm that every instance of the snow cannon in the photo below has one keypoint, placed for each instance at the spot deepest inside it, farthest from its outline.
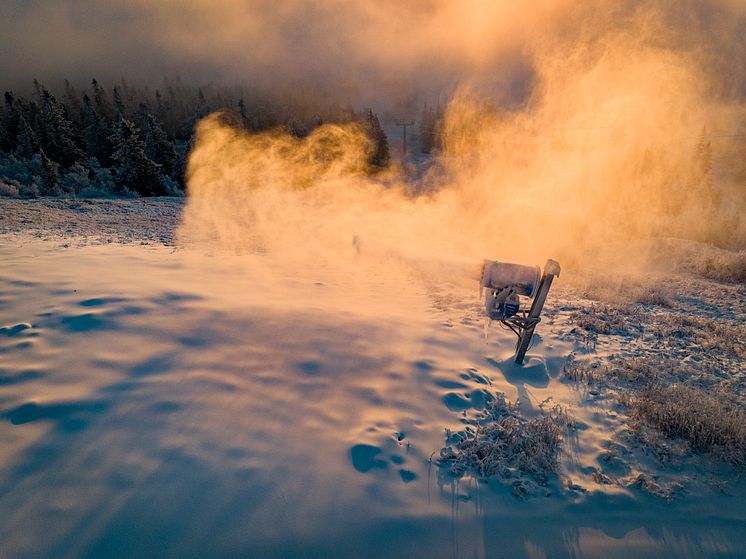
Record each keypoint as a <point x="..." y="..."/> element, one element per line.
<point x="505" y="285"/>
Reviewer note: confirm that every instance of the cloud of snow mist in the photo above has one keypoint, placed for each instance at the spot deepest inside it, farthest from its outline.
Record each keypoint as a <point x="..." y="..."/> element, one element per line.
<point x="601" y="152"/>
<point x="367" y="49"/>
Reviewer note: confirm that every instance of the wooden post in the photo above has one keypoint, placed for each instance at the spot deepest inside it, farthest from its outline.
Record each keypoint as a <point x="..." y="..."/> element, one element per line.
<point x="551" y="270"/>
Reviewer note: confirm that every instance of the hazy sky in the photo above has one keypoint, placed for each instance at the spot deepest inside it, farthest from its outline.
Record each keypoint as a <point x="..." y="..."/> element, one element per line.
<point x="382" y="46"/>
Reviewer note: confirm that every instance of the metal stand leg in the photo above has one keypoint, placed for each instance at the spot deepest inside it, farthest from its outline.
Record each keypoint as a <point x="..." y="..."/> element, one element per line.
<point x="551" y="270"/>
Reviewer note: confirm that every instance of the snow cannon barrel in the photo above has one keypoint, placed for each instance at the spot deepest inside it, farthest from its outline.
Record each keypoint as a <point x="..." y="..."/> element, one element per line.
<point x="520" y="279"/>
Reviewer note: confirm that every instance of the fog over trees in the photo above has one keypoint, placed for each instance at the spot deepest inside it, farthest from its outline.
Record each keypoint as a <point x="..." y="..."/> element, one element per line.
<point x="121" y="140"/>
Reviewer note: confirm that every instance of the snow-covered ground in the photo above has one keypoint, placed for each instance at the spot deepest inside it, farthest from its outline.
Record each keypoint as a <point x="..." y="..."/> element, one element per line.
<point x="169" y="400"/>
<point x="141" y="221"/>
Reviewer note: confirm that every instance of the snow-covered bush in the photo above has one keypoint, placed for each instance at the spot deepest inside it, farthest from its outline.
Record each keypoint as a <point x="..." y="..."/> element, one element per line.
<point x="17" y="171"/>
<point x="500" y="442"/>
<point x="76" y="179"/>
<point x="9" y="189"/>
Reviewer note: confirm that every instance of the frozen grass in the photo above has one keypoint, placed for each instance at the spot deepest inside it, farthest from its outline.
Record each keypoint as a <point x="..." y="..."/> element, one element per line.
<point x="582" y="371"/>
<point x="606" y="319"/>
<point x="674" y="400"/>
<point x="715" y="336"/>
<point x="714" y="339"/>
<point x="640" y="371"/>
<point x="500" y="442"/>
<point x="714" y="263"/>
<point x="623" y="289"/>
<point x="627" y="373"/>
<point x="708" y="423"/>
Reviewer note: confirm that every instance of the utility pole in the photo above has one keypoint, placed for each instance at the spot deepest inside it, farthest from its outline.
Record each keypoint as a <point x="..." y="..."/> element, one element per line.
<point x="404" y="124"/>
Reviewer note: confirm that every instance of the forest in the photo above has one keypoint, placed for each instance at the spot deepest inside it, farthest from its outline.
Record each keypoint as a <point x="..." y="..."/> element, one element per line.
<point x="134" y="141"/>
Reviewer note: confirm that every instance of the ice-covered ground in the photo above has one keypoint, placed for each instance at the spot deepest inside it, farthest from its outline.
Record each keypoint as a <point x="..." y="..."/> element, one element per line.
<point x="161" y="400"/>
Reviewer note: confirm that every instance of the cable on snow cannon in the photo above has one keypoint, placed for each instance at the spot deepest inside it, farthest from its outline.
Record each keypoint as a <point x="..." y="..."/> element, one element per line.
<point x="505" y="285"/>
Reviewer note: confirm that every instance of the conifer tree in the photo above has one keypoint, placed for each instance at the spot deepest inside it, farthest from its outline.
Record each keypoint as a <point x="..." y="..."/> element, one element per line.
<point x="200" y="111"/>
<point x="158" y="147"/>
<point x="136" y="171"/>
<point x="11" y="121"/>
<point x="55" y="132"/>
<point x="27" y="144"/>
<point x="50" y="180"/>
<point x="95" y="133"/>
<point x="380" y="156"/>
<point x="101" y="102"/>
<point x="72" y="104"/>
<point x="116" y="97"/>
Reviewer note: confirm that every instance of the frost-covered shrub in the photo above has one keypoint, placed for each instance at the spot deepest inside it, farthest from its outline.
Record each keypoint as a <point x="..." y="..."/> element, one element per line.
<point x="30" y="190"/>
<point x="76" y="179"/>
<point x="9" y="189"/>
<point x="500" y="442"/>
<point x="172" y="187"/>
<point x="100" y="183"/>
<point x="17" y="171"/>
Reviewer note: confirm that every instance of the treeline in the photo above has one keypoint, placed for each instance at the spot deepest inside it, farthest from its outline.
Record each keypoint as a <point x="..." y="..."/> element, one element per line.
<point x="134" y="141"/>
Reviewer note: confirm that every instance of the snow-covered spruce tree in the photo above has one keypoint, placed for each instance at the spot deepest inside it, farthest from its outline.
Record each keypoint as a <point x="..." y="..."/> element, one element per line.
<point x="201" y="110"/>
<point x="27" y="144"/>
<point x="101" y="103"/>
<point x="55" y="132"/>
<point x="11" y="121"/>
<point x="73" y="107"/>
<point x="380" y="156"/>
<point x="50" y="179"/>
<point x="158" y="147"/>
<point x="116" y="98"/>
<point x="135" y="171"/>
<point x="140" y="118"/>
<point x="96" y="133"/>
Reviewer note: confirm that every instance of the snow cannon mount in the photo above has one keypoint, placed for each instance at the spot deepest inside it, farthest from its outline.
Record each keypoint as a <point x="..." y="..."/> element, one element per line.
<point x="505" y="284"/>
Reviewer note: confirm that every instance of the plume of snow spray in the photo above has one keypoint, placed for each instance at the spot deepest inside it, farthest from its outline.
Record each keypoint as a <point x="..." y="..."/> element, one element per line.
<point x="601" y="153"/>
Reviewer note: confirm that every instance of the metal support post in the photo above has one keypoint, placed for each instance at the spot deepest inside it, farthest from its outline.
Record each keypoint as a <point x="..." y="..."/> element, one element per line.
<point x="551" y="270"/>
